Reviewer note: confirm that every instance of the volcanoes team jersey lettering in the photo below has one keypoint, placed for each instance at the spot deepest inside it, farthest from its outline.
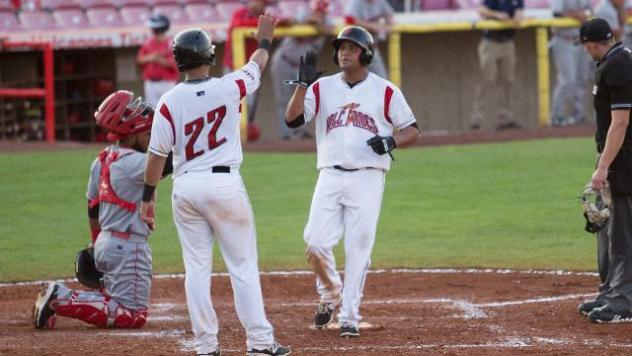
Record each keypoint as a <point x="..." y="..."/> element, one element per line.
<point x="347" y="117"/>
<point x="199" y="121"/>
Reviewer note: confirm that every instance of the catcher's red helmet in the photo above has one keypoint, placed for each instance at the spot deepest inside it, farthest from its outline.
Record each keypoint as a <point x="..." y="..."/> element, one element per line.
<point x="122" y="115"/>
<point x="319" y="5"/>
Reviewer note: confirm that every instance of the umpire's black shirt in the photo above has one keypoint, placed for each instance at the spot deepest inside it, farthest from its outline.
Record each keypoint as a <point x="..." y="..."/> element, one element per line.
<point x="613" y="91"/>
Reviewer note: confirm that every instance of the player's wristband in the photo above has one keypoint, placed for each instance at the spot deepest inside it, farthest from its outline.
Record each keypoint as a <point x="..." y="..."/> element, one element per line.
<point x="265" y="44"/>
<point x="148" y="192"/>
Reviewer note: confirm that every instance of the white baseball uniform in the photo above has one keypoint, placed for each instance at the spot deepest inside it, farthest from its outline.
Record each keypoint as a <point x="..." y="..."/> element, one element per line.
<point x="348" y="193"/>
<point x="199" y="121"/>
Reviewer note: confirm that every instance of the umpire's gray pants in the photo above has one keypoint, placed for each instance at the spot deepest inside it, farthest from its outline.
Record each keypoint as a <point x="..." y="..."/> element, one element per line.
<point x="615" y="256"/>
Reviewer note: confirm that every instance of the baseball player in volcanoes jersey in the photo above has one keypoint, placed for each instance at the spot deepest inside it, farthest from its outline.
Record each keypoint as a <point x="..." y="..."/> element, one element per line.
<point x="119" y="236"/>
<point x="355" y="113"/>
<point x="199" y="121"/>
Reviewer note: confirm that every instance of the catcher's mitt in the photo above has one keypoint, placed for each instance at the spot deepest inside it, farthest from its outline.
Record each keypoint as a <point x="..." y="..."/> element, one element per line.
<point x="596" y="207"/>
<point x="86" y="270"/>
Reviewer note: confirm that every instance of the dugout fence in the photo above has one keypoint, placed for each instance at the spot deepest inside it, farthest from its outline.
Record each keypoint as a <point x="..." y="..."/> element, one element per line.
<point x="10" y="96"/>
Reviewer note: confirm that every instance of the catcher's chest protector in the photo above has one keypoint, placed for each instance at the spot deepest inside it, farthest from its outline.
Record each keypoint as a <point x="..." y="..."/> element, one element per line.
<point x="106" y="192"/>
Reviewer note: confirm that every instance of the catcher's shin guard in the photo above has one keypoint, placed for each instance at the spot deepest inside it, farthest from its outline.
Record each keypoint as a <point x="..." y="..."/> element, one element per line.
<point x="98" y="309"/>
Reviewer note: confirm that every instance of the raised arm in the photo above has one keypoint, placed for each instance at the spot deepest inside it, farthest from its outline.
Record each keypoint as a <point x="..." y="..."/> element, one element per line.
<point x="265" y="30"/>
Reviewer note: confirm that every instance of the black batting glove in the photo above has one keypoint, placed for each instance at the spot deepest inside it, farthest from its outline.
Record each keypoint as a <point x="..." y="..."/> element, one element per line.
<point x="307" y="72"/>
<point x="382" y="144"/>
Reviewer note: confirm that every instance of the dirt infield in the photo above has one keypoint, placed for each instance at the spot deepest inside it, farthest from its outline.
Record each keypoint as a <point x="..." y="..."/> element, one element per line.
<point x="309" y="145"/>
<point x="454" y="312"/>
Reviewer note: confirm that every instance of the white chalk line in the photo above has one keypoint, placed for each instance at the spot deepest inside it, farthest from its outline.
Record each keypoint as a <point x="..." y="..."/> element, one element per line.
<point x="377" y="271"/>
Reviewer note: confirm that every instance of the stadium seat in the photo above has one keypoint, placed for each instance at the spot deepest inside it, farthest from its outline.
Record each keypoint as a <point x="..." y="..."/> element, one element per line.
<point x="290" y="8"/>
<point x="6" y="5"/>
<point x="8" y="21"/>
<point x="135" y="15"/>
<point x="89" y="4"/>
<point x="201" y="12"/>
<point x="225" y="10"/>
<point x="36" y="20"/>
<point x="60" y="4"/>
<point x="173" y="11"/>
<point x="436" y="5"/>
<point x="103" y="17"/>
<point x="71" y="17"/>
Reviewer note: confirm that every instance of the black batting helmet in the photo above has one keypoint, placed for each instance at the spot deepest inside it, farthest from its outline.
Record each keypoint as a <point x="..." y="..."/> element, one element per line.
<point x="158" y="23"/>
<point x="192" y="48"/>
<point x="359" y="36"/>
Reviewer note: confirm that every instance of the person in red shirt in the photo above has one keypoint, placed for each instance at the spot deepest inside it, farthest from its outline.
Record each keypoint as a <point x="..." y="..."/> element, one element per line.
<point x="247" y="16"/>
<point x="160" y="72"/>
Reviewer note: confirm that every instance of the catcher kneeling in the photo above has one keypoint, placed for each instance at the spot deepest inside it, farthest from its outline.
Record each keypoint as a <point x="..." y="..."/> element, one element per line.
<point x="117" y="264"/>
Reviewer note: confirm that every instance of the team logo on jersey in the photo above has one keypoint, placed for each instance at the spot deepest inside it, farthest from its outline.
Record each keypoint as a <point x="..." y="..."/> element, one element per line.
<point x="348" y="115"/>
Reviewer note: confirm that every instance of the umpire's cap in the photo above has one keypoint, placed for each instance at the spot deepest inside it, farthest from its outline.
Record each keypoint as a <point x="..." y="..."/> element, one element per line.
<point x="359" y="36"/>
<point x="595" y="30"/>
<point x="158" y="23"/>
<point x="192" y="48"/>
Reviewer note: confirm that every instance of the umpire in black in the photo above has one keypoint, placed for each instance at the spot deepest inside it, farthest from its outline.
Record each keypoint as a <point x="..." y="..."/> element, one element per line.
<point x="612" y="93"/>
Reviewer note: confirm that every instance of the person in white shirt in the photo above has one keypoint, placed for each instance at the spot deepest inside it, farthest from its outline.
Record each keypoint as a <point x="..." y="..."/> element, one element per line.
<point x="199" y="121"/>
<point x="355" y="113"/>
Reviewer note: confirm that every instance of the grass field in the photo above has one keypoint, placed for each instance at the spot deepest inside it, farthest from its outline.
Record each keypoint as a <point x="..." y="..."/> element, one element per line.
<point x="493" y="205"/>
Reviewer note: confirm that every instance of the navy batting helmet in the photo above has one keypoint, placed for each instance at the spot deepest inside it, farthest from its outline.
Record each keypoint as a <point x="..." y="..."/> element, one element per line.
<point x="359" y="36"/>
<point x="192" y="48"/>
<point x="159" y="23"/>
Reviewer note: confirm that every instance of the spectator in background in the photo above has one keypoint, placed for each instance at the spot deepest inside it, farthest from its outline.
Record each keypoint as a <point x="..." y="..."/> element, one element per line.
<point x="246" y="16"/>
<point x="497" y="61"/>
<point x="286" y="58"/>
<point x="377" y="17"/>
<point x="160" y="72"/>
<point x="627" y="35"/>
<point x="613" y="12"/>
<point x="572" y="64"/>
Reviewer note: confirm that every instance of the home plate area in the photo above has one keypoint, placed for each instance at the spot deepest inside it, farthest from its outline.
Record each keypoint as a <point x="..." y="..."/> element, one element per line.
<point x="406" y="312"/>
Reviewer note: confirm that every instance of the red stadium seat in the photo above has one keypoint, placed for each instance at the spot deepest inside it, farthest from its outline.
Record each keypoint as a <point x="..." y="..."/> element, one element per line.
<point x="6" y="5"/>
<point x="173" y="11"/>
<point x="436" y="4"/>
<point x="88" y="4"/>
<point x="60" y="4"/>
<point x="201" y="12"/>
<point x="225" y="10"/>
<point x="103" y="17"/>
<point x="8" y="21"/>
<point x="135" y="15"/>
<point x="72" y="17"/>
<point x="36" y="20"/>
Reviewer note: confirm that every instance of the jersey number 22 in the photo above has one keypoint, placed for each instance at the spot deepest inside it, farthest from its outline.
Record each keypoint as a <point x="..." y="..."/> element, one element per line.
<point x="194" y="128"/>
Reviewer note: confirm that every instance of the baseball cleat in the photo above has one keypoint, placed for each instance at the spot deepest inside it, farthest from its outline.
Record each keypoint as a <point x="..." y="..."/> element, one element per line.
<point x="214" y="353"/>
<point x="586" y="307"/>
<point x="348" y="330"/>
<point x="324" y="314"/>
<point x="605" y="315"/>
<point x="275" y="349"/>
<point x="43" y="314"/>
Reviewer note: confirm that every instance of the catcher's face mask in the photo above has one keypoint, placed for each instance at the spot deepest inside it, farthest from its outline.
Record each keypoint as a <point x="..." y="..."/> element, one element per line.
<point x="596" y="207"/>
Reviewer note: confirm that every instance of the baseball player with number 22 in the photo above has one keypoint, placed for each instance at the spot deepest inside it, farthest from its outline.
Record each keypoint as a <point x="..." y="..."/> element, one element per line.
<point x="199" y="121"/>
<point x="355" y="112"/>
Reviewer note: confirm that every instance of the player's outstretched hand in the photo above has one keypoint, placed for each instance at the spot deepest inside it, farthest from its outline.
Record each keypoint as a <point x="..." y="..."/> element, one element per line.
<point x="265" y="29"/>
<point x="307" y="72"/>
<point x="148" y="214"/>
<point x="382" y="144"/>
